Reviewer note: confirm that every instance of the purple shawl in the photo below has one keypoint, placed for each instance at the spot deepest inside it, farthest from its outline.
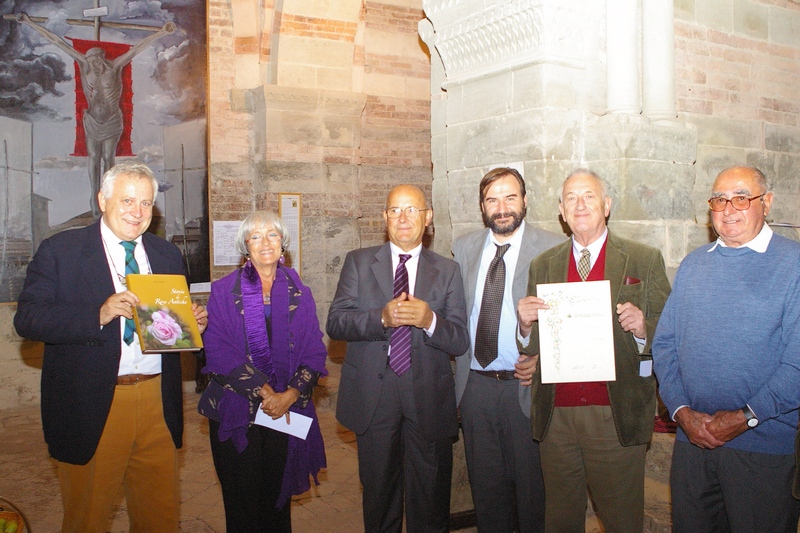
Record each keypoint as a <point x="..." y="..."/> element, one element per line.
<point x="296" y="341"/>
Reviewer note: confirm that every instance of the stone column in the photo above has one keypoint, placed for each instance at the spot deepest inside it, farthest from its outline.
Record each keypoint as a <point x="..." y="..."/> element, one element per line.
<point x="658" y="59"/>
<point x="622" y="59"/>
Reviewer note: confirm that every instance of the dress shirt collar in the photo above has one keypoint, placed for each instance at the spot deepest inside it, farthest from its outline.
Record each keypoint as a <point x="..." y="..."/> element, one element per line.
<point x="594" y="248"/>
<point x="110" y="239"/>
<point x="759" y="243"/>
<point x="396" y="251"/>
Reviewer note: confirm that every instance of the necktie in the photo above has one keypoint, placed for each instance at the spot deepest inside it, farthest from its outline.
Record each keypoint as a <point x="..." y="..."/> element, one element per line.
<point x="489" y="317"/>
<point x="131" y="267"/>
<point x="585" y="264"/>
<point x="400" y="347"/>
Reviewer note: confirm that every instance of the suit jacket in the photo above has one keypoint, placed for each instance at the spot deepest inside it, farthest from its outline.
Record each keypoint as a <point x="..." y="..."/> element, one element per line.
<point x="633" y="400"/>
<point x="467" y="251"/>
<point x="365" y="286"/>
<point x="67" y="282"/>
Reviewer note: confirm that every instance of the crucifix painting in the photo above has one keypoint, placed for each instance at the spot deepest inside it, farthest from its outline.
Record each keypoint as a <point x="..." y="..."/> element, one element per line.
<point x="102" y="81"/>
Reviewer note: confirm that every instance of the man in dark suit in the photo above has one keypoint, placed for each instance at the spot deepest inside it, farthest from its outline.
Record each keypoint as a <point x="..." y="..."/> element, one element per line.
<point x="494" y="398"/>
<point x="396" y="391"/>
<point x="111" y="415"/>
<point x="597" y="432"/>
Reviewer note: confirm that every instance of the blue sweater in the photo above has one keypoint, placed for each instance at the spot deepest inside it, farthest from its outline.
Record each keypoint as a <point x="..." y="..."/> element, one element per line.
<point x="729" y="335"/>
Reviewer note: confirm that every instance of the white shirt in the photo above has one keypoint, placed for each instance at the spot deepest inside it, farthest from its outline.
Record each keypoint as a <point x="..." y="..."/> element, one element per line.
<point x="759" y="244"/>
<point x="132" y="360"/>
<point x="507" y="350"/>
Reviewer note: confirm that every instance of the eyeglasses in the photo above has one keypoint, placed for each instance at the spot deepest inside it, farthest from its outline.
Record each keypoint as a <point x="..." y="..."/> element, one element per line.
<point x="740" y="203"/>
<point x="410" y="211"/>
<point x="256" y="238"/>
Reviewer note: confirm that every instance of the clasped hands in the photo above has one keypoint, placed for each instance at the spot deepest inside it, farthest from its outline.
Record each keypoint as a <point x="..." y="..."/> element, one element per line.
<point x="630" y="317"/>
<point x="276" y="404"/>
<point x="121" y="304"/>
<point x="406" y="310"/>
<point x="710" y="431"/>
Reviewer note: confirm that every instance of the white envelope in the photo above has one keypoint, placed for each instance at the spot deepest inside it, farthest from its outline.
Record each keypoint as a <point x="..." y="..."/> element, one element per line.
<point x="299" y="426"/>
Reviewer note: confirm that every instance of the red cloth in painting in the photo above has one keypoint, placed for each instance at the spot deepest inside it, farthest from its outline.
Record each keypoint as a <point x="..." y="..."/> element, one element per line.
<point x="113" y="50"/>
<point x="592" y="392"/>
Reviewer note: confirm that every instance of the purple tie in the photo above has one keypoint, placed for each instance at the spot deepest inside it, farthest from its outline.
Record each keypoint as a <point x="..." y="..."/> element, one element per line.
<point x="400" y="346"/>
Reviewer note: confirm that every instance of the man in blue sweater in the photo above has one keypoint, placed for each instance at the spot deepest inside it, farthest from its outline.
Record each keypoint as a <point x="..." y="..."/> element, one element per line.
<point x="727" y="357"/>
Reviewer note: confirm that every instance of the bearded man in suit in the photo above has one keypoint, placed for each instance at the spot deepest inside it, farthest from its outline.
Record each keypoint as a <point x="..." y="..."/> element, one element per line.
<point x="400" y="307"/>
<point x="493" y="392"/>
<point x="596" y="433"/>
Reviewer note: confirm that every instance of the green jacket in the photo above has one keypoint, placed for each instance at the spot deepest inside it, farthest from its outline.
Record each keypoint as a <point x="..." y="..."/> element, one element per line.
<point x="633" y="400"/>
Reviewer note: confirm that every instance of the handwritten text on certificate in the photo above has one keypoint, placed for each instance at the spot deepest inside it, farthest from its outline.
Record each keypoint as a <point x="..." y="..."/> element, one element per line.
<point x="576" y="335"/>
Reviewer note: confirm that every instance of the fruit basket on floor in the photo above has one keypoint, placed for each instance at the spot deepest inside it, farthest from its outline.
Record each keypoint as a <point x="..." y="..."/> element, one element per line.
<point x="11" y="518"/>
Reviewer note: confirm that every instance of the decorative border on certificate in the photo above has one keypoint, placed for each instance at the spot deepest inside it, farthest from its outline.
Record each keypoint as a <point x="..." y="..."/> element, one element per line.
<point x="576" y="336"/>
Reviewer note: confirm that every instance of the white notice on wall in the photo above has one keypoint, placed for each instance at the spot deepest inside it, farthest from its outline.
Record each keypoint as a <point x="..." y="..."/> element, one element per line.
<point x="290" y="209"/>
<point x="225" y="243"/>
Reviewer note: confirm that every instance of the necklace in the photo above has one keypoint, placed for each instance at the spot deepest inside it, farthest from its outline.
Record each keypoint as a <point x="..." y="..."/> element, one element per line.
<point x="267" y="299"/>
<point x="121" y="277"/>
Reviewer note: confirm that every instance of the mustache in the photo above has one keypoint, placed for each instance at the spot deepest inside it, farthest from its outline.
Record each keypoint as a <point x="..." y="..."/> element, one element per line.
<point x="497" y="216"/>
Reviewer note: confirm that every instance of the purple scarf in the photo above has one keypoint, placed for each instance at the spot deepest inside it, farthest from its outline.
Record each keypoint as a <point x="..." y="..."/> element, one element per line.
<point x="266" y="355"/>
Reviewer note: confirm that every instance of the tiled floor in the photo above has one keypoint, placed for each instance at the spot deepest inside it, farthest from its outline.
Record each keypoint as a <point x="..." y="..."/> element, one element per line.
<point x="28" y="478"/>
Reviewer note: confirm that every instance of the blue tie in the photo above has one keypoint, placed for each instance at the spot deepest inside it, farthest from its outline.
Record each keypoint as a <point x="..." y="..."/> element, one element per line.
<point x="400" y="346"/>
<point x="131" y="267"/>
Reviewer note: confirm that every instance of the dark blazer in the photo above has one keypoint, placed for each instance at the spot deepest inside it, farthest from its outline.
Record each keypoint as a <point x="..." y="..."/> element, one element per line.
<point x="633" y="399"/>
<point x="365" y="286"/>
<point x="67" y="282"/>
<point x="467" y="251"/>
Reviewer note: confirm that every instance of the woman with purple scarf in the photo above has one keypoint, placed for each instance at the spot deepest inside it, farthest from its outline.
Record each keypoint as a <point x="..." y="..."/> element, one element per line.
<point x="264" y="350"/>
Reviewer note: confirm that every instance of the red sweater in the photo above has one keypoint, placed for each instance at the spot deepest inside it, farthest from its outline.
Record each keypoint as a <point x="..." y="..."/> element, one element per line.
<point x="590" y="392"/>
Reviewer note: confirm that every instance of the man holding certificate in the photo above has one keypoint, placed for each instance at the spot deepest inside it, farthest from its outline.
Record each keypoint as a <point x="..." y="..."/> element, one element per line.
<point x="593" y="420"/>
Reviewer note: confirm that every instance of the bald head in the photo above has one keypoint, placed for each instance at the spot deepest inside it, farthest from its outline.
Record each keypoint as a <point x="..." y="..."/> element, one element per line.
<point x="406" y="216"/>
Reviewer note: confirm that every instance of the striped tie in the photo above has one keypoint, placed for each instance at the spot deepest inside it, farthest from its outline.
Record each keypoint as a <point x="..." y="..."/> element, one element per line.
<point x="131" y="267"/>
<point x="585" y="264"/>
<point x="400" y="346"/>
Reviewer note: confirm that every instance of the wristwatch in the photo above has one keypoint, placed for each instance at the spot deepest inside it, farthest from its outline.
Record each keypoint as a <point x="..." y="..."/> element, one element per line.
<point x="752" y="421"/>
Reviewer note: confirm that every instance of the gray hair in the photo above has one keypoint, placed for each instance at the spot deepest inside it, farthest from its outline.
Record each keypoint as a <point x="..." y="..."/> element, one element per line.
<point x="137" y="170"/>
<point x="586" y="171"/>
<point x="257" y="220"/>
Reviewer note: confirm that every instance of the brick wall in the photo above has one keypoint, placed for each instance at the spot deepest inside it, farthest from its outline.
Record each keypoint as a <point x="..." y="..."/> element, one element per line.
<point x="738" y="80"/>
<point x="330" y="100"/>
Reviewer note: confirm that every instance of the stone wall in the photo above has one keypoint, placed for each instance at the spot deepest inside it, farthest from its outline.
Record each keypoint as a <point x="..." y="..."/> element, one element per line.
<point x="527" y="84"/>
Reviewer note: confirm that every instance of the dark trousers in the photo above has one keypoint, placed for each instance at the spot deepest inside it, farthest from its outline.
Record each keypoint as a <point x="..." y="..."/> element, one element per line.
<point x="503" y="462"/>
<point x="399" y="467"/>
<point x="251" y="480"/>
<point x="727" y="490"/>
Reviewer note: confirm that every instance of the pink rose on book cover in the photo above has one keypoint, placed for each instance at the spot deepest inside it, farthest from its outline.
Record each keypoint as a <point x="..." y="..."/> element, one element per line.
<point x="164" y="328"/>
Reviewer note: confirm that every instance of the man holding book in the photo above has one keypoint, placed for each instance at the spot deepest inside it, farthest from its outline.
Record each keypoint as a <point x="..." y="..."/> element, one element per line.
<point x="111" y="415"/>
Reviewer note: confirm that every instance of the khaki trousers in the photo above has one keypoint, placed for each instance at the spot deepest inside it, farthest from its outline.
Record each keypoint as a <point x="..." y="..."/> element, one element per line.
<point x="581" y="448"/>
<point x="136" y="449"/>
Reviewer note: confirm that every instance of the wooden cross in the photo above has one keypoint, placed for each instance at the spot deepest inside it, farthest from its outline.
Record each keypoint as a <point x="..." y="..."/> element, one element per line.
<point x="97" y="12"/>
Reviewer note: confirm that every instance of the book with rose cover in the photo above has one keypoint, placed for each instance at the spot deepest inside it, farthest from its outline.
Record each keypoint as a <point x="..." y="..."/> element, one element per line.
<point x="164" y="319"/>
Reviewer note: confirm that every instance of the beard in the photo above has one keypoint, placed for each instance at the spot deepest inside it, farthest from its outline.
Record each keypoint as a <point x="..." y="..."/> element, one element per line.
<point x="507" y="228"/>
